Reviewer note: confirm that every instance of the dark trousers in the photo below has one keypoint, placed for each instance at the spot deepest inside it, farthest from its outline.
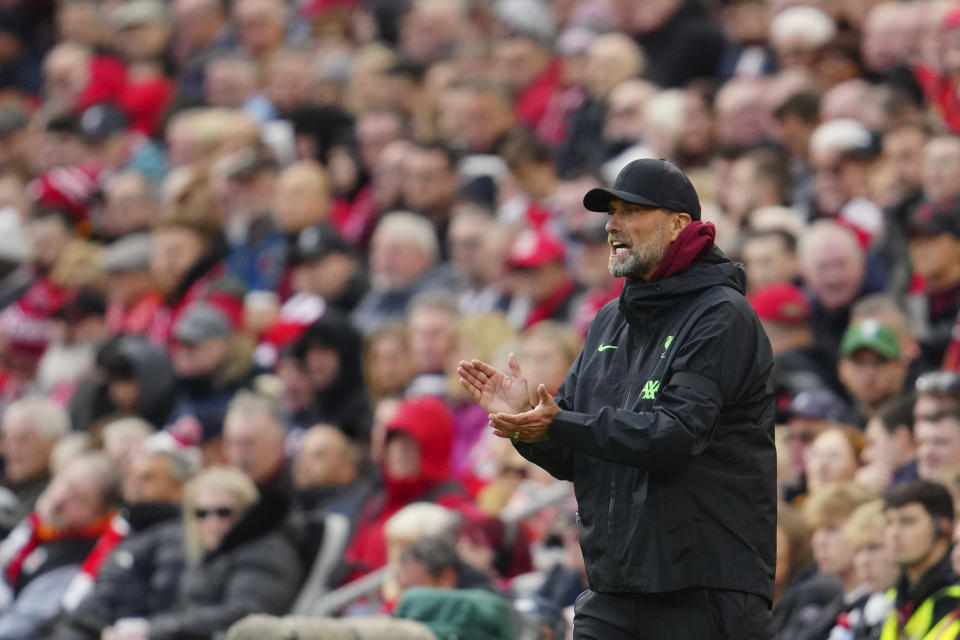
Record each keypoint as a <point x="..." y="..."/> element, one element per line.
<point x="691" y="614"/>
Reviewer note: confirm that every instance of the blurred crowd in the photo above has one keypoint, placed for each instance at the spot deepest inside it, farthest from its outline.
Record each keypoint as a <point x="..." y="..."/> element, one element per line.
<point x="244" y="244"/>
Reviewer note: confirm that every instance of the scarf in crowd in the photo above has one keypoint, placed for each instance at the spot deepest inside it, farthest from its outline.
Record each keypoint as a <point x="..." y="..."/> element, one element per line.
<point x="33" y="532"/>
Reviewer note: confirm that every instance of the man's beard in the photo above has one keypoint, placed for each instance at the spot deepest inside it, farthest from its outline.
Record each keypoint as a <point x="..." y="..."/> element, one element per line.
<point x="640" y="259"/>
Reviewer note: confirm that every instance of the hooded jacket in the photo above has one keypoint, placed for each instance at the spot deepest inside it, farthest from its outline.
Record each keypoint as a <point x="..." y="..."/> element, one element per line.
<point x="666" y="431"/>
<point x="344" y="401"/>
<point x="427" y="421"/>
<point x="150" y="366"/>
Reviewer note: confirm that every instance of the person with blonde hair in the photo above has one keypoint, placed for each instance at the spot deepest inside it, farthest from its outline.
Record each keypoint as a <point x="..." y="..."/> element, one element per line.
<point x="474" y="448"/>
<point x="863" y="610"/>
<point x="826" y="514"/>
<point x="236" y="562"/>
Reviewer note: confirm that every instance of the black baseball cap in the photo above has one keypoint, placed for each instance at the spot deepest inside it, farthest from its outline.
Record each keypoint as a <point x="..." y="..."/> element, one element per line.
<point x="101" y="122"/>
<point x="316" y="243"/>
<point x="649" y="182"/>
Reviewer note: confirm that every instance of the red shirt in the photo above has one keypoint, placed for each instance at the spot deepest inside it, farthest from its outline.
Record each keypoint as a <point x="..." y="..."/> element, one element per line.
<point x="532" y="102"/>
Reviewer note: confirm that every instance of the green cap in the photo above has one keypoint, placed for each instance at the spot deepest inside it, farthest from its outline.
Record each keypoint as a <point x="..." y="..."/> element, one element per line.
<point x="872" y="335"/>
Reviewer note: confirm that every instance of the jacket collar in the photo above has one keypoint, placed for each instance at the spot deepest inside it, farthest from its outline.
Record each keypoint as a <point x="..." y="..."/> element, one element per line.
<point x="641" y="300"/>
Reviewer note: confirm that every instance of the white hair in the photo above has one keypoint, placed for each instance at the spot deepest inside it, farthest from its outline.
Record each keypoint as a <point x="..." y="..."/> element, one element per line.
<point x="412" y="228"/>
<point x="185" y="460"/>
<point x="841" y="134"/>
<point x="420" y="520"/>
<point x="812" y="25"/>
<point x="128" y="427"/>
<point x="247" y="403"/>
<point x="51" y="420"/>
<point x="666" y="110"/>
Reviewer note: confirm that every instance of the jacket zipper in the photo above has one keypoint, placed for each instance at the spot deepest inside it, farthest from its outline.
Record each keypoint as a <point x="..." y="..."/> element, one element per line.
<point x="613" y="475"/>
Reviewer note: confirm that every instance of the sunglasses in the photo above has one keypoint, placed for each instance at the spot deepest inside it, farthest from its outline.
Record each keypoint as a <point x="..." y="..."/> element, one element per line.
<point x="221" y="512"/>
<point x="944" y="382"/>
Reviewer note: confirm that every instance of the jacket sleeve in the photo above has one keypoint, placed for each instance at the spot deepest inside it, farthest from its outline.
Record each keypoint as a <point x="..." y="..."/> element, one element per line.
<point x="264" y="578"/>
<point x="718" y="363"/>
<point x="37" y="606"/>
<point x="551" y="455"/>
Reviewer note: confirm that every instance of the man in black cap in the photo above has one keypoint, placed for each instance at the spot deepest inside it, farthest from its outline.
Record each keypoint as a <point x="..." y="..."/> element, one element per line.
<point x="323" y="264"/>
<point x="665" y="426"/>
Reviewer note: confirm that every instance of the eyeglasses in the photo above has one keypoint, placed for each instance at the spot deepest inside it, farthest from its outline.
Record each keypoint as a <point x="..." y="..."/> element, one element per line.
<point x="939" y="382"/>
<point x="221" y="512"/>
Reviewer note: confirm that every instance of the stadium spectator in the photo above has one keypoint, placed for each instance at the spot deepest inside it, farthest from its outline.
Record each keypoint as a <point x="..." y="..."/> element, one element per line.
<point x="53" y="551"/>
<point x="404" y="255"/>
<point x="936" y="423"/>
<point x="388" y="367"/>
<point x="872" y="366"/>
<point x="889" y="457"/>
<point x="919" y="528"/>
<point x="833" y="266"/>
<point x="539" y="274"/>
<point x="141" y="577"/>
<point x="133" y="377"/>
<point x="415" y="467"/>
<point x="329" y="354"/>
<point x="804" y="602"/>
<point x="253" y="442"/>
<point x="31" y="427"/>
<point x="810" y="414"/>
<point x="237" y="563"/>
<point x="934" y="246"/>
<point x="211" y="364"/>
<point x="863" y="610"/>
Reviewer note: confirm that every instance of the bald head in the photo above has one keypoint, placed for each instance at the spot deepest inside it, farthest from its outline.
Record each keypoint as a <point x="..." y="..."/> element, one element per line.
<point x="833" y="264"/>
<point x="66" y="71"/>
<point x="301" y="196"/>
<point x="612" y="59"/>
<point x="885" y="39"/>
<point x="327" y="458"/>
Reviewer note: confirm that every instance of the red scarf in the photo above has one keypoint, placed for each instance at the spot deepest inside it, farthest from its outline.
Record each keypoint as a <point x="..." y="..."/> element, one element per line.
<point x="545" y="309"/>
<point x="695" y="241"/>
<point x="40" y="533"/>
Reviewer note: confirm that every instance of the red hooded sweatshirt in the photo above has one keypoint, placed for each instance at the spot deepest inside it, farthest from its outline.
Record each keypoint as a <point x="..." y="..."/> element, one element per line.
<point x="428" y="421"/>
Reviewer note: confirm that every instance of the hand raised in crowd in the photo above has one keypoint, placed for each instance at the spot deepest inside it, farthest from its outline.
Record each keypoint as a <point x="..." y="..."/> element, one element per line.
<point x="529" y="426"/>
<point x="494" y="390"/>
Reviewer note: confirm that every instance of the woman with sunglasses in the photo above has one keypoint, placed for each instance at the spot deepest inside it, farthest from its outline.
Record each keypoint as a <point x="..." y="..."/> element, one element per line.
<point x="237" y="561"/>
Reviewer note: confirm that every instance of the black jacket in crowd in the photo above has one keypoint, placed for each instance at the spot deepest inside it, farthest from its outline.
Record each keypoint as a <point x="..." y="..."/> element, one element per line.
<point x="667" y="434"/>
<point x="139" y="578"/>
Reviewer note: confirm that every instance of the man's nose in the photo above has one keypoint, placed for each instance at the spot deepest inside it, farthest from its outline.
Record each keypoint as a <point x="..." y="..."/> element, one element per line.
<point x="612" y="224"/>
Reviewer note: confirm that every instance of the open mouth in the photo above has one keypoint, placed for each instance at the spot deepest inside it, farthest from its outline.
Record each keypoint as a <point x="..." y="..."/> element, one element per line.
<point x="618" y="248"/>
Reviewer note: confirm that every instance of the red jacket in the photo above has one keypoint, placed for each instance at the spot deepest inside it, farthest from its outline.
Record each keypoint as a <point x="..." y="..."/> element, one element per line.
<point x="429" y="422"/>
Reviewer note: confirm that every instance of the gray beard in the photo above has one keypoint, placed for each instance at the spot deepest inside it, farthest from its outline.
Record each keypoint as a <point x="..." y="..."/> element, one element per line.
<point x="641" y="259"/>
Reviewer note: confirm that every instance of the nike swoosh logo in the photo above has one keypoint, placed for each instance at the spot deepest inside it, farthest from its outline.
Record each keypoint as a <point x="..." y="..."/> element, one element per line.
<point x="604" y="347"/>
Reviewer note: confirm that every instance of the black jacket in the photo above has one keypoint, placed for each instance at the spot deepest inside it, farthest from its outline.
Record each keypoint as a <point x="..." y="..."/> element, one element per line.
<point x="667" y="434"/>
<point x="139" y="578"/>
<point x="256" y="569"/>
<point x="689" y="45"/>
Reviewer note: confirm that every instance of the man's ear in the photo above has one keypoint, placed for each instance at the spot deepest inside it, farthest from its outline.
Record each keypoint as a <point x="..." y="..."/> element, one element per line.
<point x="678" y="222"/>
